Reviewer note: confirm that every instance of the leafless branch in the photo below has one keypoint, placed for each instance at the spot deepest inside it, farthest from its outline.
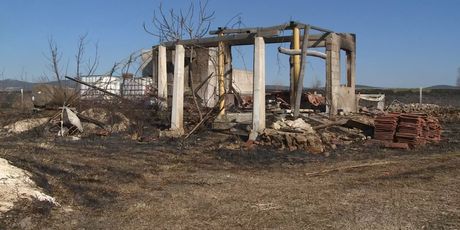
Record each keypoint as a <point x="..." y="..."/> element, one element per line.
<point x="80" y="53"/>
<point x="54" y="58"/>
<point x="188" y="23"/>
<point x="92" y="64"/>
<point x="458" y="77"/>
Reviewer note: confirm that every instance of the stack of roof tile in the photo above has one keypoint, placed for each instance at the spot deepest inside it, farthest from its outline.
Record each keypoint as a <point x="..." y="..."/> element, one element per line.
<point x="411" y="129"/>
<point x="433" y="129"/>
<point x="407" y="128"/>
<point x="385" y="126"/>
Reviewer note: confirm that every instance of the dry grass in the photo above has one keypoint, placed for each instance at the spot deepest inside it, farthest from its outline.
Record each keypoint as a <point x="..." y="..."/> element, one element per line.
<point x="104" y="184"/>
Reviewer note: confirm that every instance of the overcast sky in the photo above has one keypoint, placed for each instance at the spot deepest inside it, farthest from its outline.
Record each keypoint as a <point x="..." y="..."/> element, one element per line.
<point x="400" y="43"/>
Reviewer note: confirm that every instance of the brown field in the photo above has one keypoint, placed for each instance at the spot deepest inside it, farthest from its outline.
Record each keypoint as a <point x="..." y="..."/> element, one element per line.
<point x="202" y="183"/>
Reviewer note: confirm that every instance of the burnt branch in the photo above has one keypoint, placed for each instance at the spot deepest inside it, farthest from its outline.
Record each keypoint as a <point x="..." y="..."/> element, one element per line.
<point x="54" y="58"/>
<point x="188" y="23"/>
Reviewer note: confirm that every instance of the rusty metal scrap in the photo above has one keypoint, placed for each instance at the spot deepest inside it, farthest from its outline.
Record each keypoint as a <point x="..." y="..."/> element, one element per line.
<point x="315" y="99"/>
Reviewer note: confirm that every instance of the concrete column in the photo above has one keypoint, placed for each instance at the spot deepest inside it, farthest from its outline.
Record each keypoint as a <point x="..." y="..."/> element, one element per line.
<point x="177" y="115"/>
<point x="332" y="73"/>
<point x="258" y="111"/>
<point x="352" y="77"/>
<point x="228" y="69"/>
<point x="162" y="82"/>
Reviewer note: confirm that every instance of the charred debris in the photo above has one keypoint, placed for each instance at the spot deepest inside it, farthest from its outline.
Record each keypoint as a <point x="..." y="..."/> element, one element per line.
<point x="188" y="86"/>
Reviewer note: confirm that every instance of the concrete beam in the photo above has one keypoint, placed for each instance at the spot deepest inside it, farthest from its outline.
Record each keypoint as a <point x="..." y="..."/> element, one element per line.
<point x="258" y="114"/>
<point x="162" y="80"/>
<point x="177" y="115"/>
<point x="315" y="40"/>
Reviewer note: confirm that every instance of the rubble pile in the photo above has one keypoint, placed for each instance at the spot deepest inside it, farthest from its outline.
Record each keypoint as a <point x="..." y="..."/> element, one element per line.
<point x="409" y="129"/>
<point x="325" y="134"/>
<point x="114" y="122"/>
<point x="16" y="185"/>
<point x="25" y="125"/>
<point x="293" y="135"/>
<point x="400" y="107"/>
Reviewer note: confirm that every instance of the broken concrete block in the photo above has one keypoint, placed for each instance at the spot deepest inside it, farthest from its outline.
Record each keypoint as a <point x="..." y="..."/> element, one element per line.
<point x="253" y="135"/>
<point x="301" y="139"/>
<point x="276" y="126"/>
<point x="300" y="125"/>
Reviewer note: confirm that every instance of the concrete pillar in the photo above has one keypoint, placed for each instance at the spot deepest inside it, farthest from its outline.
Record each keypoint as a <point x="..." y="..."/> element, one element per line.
<point x="162" y="81"/>
<point x="352" y="76"/>
<point x="332" y="73"/>
<point x="340" y="96"/>
<point x="210" y="94"/>
<point x="228" y="69"/>
<point x="352" y="64"/>
<point x="258" y="111"/>
<point x="177" y="115"/>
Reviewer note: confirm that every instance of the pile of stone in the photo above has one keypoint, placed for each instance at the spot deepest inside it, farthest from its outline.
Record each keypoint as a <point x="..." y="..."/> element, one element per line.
<point x="443" y="113"/>
<point x="398" y="107"/>
<point x="113" y="122"/>
<point x="293" y="135"/>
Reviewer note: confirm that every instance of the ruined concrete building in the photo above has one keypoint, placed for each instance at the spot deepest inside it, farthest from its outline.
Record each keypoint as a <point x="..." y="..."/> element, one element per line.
<point x="213" y="77"/>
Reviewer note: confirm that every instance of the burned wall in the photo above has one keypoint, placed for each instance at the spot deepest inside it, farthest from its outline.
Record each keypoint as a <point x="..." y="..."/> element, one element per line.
<point x="340" y="97"/>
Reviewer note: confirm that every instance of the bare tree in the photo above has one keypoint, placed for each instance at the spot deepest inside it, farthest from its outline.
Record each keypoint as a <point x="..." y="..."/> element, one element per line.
<point x="2" y="77"/>
<point x="54" y="58"/>
<point x="90" y="63"/>
<point x="458" y="77"/>
<point x="189" y="23"/>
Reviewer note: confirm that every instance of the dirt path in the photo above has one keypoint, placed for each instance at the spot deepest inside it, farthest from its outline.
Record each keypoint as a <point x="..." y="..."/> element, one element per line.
<point x="115" y="184"/>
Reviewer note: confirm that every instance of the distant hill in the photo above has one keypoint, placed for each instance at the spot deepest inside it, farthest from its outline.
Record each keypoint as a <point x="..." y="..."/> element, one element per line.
<point x="366" y="87"/>
<point x="442" y="87"/>
<point x="12" y="85"/>
<point x="276" y="87"/>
